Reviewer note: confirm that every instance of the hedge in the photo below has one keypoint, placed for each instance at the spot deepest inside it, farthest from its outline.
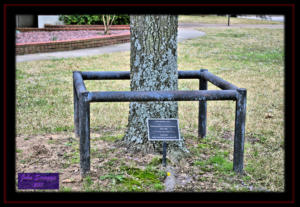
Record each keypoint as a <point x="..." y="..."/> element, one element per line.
<point x="120" y="19"/>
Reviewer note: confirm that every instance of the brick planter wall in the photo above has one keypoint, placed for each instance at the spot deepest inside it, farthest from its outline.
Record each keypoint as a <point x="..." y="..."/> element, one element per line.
<point x="29" y="48"/>
<point x="80" y="27"/>
<point x="49" y="27"/>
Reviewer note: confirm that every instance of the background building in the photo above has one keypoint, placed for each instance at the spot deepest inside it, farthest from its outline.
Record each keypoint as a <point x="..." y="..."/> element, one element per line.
<point x="36" y="20"/>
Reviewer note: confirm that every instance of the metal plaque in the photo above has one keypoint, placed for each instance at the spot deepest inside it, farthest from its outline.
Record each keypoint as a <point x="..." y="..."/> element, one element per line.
<point x="163" y="130"/>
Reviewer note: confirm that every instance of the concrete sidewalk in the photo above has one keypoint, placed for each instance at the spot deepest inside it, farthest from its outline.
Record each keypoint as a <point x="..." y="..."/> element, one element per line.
<point x="183" y="34"/>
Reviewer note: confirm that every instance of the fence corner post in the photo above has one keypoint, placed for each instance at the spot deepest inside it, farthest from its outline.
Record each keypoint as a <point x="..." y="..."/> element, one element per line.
<point x="202" y="107"/>
<point x="84" y="126"/>
<point x="239" y="131"/>
<point x="76" y="108"/>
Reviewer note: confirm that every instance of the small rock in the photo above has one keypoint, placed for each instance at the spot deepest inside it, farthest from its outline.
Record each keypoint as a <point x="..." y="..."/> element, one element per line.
<point x="170" y="181"/>
<point x="268" y="116"/>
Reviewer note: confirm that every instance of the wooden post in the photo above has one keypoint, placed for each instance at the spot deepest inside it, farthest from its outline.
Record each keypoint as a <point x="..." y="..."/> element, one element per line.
<point x="84" y="131"/>
<point x="202" y="108"/>
<point x="239" y="133"/>
<point x="76" y="109"/>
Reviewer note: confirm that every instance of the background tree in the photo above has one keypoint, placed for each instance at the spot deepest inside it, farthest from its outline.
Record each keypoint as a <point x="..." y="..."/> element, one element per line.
<point x="153" y="67"/>
<point x="107" y="22"/>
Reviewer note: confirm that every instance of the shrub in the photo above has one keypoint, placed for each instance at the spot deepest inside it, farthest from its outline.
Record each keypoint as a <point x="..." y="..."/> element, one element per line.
<point x="92" y="19"/>
<point x="122" y="19"/>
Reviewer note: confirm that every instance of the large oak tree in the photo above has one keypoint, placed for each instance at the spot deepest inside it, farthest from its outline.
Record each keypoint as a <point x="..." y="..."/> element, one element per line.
<point x="153" y="63"/>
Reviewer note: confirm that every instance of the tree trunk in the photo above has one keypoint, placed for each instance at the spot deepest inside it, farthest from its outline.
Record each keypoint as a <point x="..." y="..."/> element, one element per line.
<point x="153" y="63"/>
<point x="107" y="22"/>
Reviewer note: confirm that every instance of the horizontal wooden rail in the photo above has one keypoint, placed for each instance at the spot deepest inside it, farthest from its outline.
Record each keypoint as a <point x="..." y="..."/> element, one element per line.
<point x="194" y="74"/>
<point x="125" y="75"/>
<point x="223" y="84"/>
<point x="132" y="96"/>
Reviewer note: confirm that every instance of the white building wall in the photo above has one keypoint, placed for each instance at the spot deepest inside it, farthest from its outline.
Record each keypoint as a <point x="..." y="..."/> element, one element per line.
<point x="48" y="19"/>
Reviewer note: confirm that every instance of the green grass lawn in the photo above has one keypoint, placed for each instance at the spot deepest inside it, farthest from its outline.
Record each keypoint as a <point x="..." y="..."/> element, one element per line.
<point x="214" y="19"/>
<point x="249" y="58"/>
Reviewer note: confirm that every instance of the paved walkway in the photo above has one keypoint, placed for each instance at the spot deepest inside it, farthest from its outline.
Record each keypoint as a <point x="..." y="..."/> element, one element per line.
<point x="183" y="34"/>
<point x="275" y="18"/>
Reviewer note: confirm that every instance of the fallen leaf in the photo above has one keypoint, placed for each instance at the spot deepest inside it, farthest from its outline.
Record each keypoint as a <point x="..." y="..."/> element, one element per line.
<point x="68" y="181"/>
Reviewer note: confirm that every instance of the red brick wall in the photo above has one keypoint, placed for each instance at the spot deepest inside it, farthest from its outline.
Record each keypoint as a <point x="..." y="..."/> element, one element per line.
<point x="29" y="48"/>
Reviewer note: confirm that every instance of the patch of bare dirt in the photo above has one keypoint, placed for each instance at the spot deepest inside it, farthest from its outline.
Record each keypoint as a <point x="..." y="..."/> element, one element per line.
<point x="52" y="153"/>
<point x="44" y="154"/>
<point x="59" y="153"/>
<point x="228" y="135"/>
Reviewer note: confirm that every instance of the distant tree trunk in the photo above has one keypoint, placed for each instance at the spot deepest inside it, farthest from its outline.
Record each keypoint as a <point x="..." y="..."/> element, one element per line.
<point x="107" y="22"/>
<point x="228" y="23"/>
<point x="153" y="62"/>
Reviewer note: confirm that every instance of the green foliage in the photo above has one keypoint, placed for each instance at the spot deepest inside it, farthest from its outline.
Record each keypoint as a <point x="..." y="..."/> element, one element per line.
<point x="156" y="161"/>
<point x="203" y="146"/>
<point x="66" y="189"/>
<point x="19" y="150"/>
<point x="122" y="19"/>
<point x="92" y="19"/>
<point x="115" y="178"/>
<point x="20" y="74"/>
<point x="63" y="128"/>
<point x="75" y="159"/>
<point x="217" y="159"/>
<point x="81" y="19"/>
<point x="109" y="138"/>
<point x="149" y="177"/>
<point x="231" y="35"/>
<point x="221" y="163"/>
<point x="199" y="163"/>
<point x="135" y="179"/>
<point x="158" y="186"/>
<point x="87" y="183"/>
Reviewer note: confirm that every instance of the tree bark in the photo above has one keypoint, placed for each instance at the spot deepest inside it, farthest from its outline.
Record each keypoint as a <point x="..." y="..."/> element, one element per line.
<point x="153" y="63"/>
